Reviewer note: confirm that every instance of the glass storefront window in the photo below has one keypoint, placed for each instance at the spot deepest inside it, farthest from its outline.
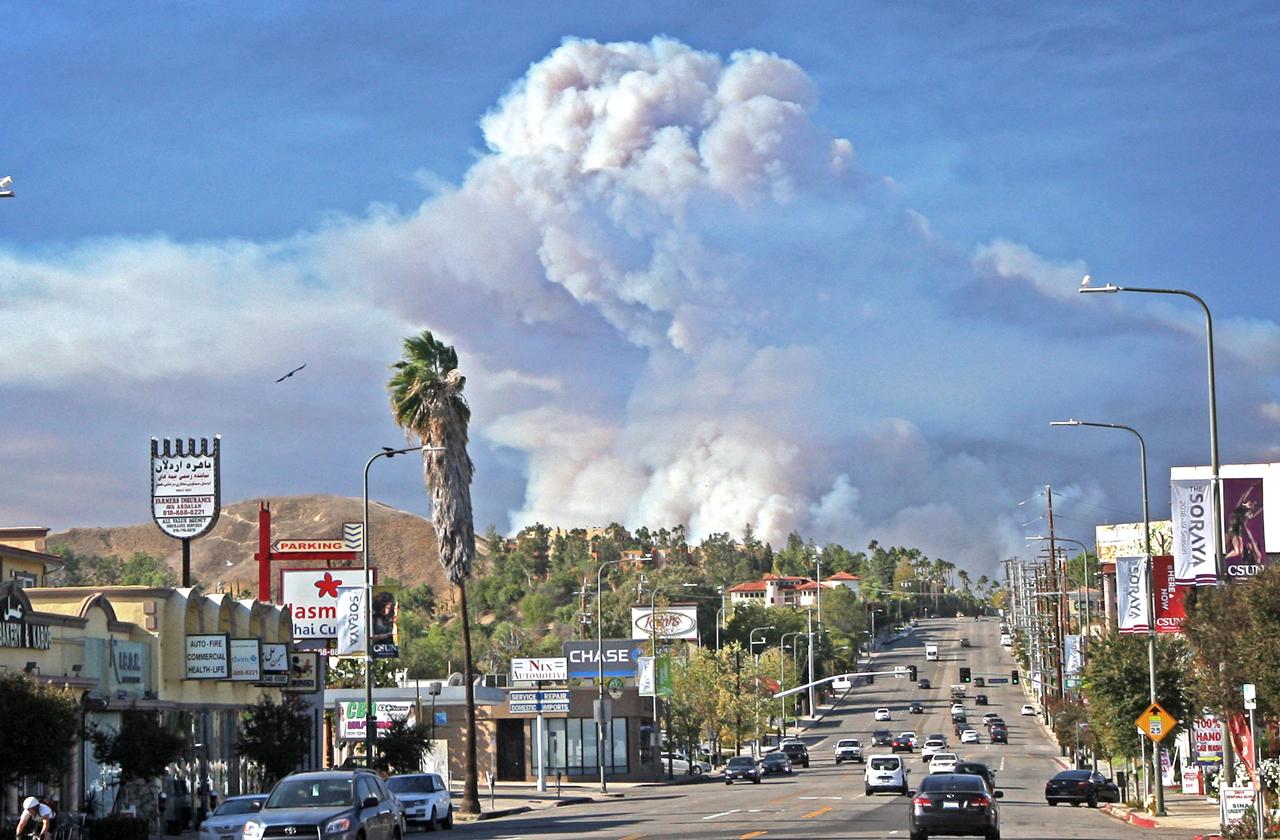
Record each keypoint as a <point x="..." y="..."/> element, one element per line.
<point x="571" y="746"/>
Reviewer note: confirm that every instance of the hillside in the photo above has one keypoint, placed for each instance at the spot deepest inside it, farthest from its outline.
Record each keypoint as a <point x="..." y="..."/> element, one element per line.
<point x="403" y="544"/>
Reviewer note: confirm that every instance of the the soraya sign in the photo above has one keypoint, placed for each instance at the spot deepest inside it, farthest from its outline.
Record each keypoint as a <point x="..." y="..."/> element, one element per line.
<point x="664" y="622"/>
<point x="185" y="486"/>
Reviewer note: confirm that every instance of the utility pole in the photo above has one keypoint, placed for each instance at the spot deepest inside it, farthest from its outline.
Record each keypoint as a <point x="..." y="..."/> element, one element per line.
<point x="809" y="631"/>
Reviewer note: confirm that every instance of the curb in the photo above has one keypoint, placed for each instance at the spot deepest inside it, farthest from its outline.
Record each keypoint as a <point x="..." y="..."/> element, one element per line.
<point x="521" y="809"/>
<point x="1127" y="816"/>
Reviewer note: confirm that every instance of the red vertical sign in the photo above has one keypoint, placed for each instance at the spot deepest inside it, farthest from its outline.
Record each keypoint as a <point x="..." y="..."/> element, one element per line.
<point x="1170" y="606"/>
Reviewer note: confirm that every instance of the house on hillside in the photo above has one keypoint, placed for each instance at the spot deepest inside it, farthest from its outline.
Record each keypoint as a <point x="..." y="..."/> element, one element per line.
<point x="788" y="590"/>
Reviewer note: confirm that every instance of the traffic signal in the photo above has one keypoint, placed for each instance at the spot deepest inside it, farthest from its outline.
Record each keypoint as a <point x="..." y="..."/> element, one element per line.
<point x="966" y="675"/>
<point x="1013" y="677"/>
<point x="914" y="671"/>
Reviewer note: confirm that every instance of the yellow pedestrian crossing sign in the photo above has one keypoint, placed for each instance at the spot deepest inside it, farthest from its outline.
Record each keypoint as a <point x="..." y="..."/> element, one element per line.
<point x="1156" y="723"/>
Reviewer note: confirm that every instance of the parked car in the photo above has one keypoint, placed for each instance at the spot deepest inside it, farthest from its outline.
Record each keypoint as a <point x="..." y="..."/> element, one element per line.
<point x="977" y="768"/>
<point x="425" y="798"/>
<point x="916" y="708"/>
<point x="954" y="803"/>
<point x="980" y="700"/>
<point x="924" y="683"/>
<point x="1076" y="786"/>
<point x="881" y="738"/>
<point x="849" y="749"/>
<point x="775" y="762"/>
<point x="743" y="768"/>
<point x="681" y="765"/>
<point x="969" y="736"/>
<point x="1028" y="709"/>
<point x="886" y="772"/>
<point x="900" y="744"/>
<point x="797" y="752"/>
<point x="943" y="762"/>
<point x="333" y="804"/>
<point x="883" y="714"/>
<point x="228" y="820"/>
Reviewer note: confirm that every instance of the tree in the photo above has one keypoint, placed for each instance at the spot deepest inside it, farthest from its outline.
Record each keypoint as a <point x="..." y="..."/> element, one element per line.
<point x="427" y="402"/>
<point x="1116" y="683"/>
<point x="402" y="746"/>
<point x="40" y="747"/>
<point x="141" y="748"/>
<point x="275" y="736"/>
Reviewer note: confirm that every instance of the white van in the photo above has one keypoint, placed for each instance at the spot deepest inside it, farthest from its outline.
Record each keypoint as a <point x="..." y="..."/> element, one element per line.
<point x="931" y="653"/>
<point x="886" y="772"/>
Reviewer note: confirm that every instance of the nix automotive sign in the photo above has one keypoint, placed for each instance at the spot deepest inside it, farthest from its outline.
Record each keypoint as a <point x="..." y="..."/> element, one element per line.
<point x="546" y="669"/>
<point x="664" y="622"/>
<point x="619" y="656"/>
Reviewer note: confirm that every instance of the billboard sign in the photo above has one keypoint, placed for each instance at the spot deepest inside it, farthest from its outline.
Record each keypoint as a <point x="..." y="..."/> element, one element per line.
<point x="1128" y="539"/>
<point x="619" y="655"/>
<point x="1206" y="735"/>
<point x="1194" y="532"/>
<point x="246" y="660"/>
<point x="1131" y="595"/>
<point x="544" y="669"/>
<point x="311" y="596"/>
<point x="1243" y="553"/>
<point x="208" y="657"/>
<point x="351" y="717"/>
<point x="664" y="623"/>
<point x="1171" y="610"/>
<point x="185" y="486"/>
<point x="304" y="671"/>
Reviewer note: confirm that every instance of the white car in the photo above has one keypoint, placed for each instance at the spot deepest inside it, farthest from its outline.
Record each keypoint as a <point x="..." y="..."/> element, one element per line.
<point x="957" y="708"/>
<point x="681" y="766"/>
<point x="1028" y="709"/>
<point x="969" y="736"/>
<point x="910" y="736"/>
<point x="841" y="684"/>
<point x="886" y="772"/>
<point x="229" y="819"/>
<point x="425" y="798"/>
<point x="932" y="746"/>
<point x="883" y="714"/>
<point x="943" y="762"/>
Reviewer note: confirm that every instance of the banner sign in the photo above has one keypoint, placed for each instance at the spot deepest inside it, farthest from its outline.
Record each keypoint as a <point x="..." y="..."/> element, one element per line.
<point x="1073" y="663"/>
<point x="1171" y="610"/>
<point x="246" y="660"/>
<point x="644" y="676"/>
<point x="351" y="717"/>
<point x="1206" y="734"/>
<point x="185" y="486"/>
<point x="662" y="675"/>
<point x="1131" y="595"/>
<point x="208" y="657"/>
<point x="312" y="598"/>
<point x="304" y="672"/>
<point x="351" y="621"/>
<point x="1195" y="536"/>
<point x="619" y="657"/>
<point x="386" y="614"/>
<point x="534" y="702"/>
<point x="1244" y="554"/>
<point x="665" y="623"/>
<point x="544" y="669"/>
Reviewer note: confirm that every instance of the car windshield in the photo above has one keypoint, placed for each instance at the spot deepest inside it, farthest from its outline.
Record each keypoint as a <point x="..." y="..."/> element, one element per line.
<point x="311" y="793"/>
<point x="884" y="764"/>
<point x="949" y="782"/>
<point x="944" y="757"/>
<point x="238" y="806"/>
<point x="411" y="784"/>
<point x="738" y="762"/>
<point x="848" y="742"/>
<point x="775" y="758"/>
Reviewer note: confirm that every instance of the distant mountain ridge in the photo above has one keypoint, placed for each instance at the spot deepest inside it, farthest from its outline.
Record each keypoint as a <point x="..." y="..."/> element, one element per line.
<point x="402" y="546"/>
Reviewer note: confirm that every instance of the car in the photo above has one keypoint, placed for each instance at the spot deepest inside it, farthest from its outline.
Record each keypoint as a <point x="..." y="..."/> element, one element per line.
<point x="797" y="752"/>
<point x="932" y="746"/>
<point x="980" y="700"/>
<point x="964" y="642"/>
<point x="916" y="708"/>
<point x="969" y="736"/>
<point x="901" y="744"/>
<point x="334" y="804"/>
<point x="1076" y="786"/>
<point x="954" y="803"/>
<point x="742" y="767"/>
<point x="886" y="772"/>
<point x="998" y="735"/>
<point x="680" y="764"/>
<point x="1028" y="709"/>
<point x="911" y="736"/>
<point x="849" y="749"/>
<point x="957" y="708"/>
<point x="977" y="768"/>
<point x="923" y="682"/>
<point x="425" y="798"/>
<point x="841" y="684"/>
<point x="988" y="717"/>
<point x="883" y="714"/>
<point x="943" y="762"/>
<point x="881" y="738"/>
<point x="228" y="819"/>
<point x="995" y="721"/>
<point x="775" y="762"/>
<point x="958" y="691"/>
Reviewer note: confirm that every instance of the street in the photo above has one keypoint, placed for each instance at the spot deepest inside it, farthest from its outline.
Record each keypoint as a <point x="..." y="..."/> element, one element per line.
<point x="827" y="801"/>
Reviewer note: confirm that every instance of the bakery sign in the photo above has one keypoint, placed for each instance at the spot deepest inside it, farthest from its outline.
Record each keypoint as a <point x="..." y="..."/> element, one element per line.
<point x="16" y="628"/>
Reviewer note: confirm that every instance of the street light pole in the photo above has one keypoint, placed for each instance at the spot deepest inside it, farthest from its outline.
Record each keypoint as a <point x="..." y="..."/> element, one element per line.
<point x="1151" y="582"/>
<point x="1084" y="562"/>
<point x="783" y="657"/>
<point x="600" y="665"/>
<point x="751" y="641"/>
<point x="370" y="718"/>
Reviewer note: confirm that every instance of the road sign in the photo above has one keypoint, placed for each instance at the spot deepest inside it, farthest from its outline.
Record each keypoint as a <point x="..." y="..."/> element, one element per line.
<point x="997" y="680"/>
<point x="1250" y="696"/>
<point x="533" y="702"/>
<point x="1156" y="723"/>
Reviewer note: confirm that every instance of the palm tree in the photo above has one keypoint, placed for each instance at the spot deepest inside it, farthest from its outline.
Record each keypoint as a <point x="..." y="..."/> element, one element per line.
<point x="427" y="402"/>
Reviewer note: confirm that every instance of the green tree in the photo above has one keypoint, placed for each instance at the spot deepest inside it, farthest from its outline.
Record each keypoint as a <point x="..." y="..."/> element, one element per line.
<point x="142" y="747"/>
<point x="402" y="746"/>
<point x="1116" y="683"/>
<point x="274" y="736"/>
<point x="44" y="722"/>
<point x="428" y="403"/>
<point x="145" y="570"/>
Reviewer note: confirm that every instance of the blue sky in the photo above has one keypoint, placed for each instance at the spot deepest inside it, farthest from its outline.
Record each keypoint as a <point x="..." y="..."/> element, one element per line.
<point x="852" y="341"/>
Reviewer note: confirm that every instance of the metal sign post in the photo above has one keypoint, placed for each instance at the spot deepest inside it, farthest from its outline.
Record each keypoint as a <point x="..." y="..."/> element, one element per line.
<point x="1250" y="692"/>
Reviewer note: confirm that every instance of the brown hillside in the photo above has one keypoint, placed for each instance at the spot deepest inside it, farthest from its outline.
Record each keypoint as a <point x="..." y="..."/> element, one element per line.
<point x="403" y="544"/>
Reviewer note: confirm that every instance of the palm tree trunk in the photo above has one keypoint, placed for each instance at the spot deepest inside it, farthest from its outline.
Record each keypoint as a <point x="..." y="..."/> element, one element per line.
<point x="470" y="775"/>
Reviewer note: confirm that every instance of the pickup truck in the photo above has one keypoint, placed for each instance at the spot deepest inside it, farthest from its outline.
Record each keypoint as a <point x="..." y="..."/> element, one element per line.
<point x="849" y="749"/>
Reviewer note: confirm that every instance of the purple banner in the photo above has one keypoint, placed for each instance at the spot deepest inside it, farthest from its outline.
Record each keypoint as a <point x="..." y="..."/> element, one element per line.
<point x="1244" y="554"/>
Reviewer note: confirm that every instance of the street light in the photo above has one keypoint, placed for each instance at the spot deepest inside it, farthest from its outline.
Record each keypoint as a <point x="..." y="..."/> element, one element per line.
<point x="1111" y="288"/>
<point x="653" y="637"/>
<point x="1151" y="578"/>
<point x="783" y="658"/>
<point x="751" y="641"/>
<point x="600" y="664"/>
<point x="370" y="719"/>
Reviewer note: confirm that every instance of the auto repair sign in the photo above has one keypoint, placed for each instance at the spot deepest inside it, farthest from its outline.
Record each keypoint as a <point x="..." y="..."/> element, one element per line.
<point x="664" y="623"/>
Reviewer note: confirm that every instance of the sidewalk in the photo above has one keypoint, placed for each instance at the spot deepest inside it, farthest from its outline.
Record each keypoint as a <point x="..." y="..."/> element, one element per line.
<point x="521" y="797"/>
<point x="1185" y="813"/>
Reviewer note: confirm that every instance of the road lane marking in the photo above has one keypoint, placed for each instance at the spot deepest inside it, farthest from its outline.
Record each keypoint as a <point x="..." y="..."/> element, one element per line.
<point x="816" y="813"/>
<point x="778" y="800"/>
<point x="633" y="837"/>
<point x="819" y="797"/>
<point x="721" y="814"/>
<point x="751" y="834"/>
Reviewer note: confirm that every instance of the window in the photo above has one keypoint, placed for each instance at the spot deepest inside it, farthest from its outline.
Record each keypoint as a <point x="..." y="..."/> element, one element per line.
<point x="363" y="789"/>
<point x="571" y="746"/>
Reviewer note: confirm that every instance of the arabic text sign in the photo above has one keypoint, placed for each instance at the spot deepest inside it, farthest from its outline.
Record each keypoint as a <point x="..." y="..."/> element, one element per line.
<point x="208" y="657"/>
<point x="312" y="598"/>
<point x="185" y="487"/>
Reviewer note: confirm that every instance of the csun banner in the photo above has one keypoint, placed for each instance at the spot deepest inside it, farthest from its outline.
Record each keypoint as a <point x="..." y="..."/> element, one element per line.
<point x="1171" y="610"/>
<point x="351" y="621"/>
<point x="1194" y="534"/>
<point x="1245" y="552"/>
<point x="1131" y="595"/>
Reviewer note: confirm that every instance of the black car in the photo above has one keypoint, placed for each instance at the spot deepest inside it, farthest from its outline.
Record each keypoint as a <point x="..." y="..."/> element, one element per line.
<point x="333" y="804"/>
<point x="901" y="744"/>
<point x="980" y="700"/>
<point x="775" y="762"/>
<point x="998" y="734"/>
<point x="954" y="803"/>
<point x="977" y="768"/>
<point x="916" y="708"/>
<point x="881" y="738"/>
<point x="924" y="683"/>
<point x="742" y="767"/>
<point x="1076" y="786"/>
<point x="798" y="753"/>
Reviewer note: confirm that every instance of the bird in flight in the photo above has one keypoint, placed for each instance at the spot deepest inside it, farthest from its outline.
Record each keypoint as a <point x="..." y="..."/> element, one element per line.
<point x="292" y="372"/>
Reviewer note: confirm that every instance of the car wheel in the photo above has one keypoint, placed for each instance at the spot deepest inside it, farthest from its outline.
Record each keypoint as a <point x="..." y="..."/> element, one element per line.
<point x="1093" y="801"/>
<point x="728" y="782"/>
<point x="431" y="820"/>
<point x="866" y="791"/>
<point x="906" y="791"/>
<point x="1052" y="804"/>
<point x="919" y="835"/>
<point x="837" y="762"/>
<point x="993" y="834"/>
<point x="695" y="770"/>
<point x="755" y="781"/>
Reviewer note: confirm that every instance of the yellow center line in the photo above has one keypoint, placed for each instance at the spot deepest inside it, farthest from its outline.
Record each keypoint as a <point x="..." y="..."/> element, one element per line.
<point x="633" y="837"/>
<point x="816" y="813"/>
<point x="778" y="800"/>
<point x="751" y="834"/>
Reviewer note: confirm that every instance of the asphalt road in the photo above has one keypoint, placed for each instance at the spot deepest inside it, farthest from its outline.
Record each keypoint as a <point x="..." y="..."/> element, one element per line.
<point x="827" y="801"/>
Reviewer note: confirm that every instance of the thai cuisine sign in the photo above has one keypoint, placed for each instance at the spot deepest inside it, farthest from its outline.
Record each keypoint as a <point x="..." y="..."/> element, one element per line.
<point x="312" y="598"/>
